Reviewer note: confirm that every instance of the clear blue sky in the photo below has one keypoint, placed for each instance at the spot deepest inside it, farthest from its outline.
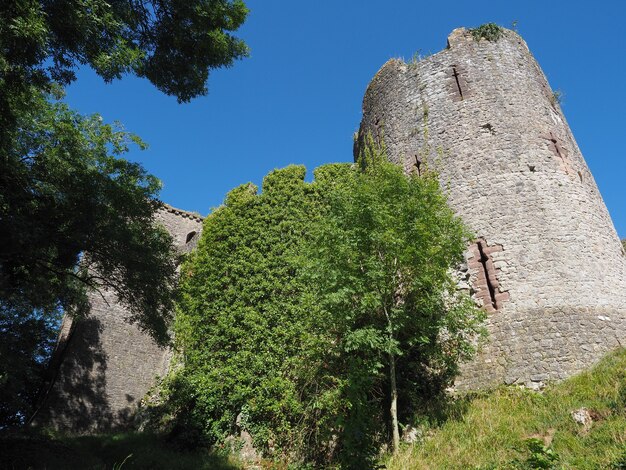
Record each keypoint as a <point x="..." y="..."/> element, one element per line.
<point x="297" y="98"/>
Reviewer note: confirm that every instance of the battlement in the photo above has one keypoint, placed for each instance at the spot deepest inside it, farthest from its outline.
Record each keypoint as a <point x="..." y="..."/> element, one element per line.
<point x="181" y="213"/>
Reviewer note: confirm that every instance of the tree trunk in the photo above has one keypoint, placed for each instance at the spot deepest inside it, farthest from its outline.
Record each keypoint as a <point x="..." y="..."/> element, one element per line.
<point x="394" y="404"/>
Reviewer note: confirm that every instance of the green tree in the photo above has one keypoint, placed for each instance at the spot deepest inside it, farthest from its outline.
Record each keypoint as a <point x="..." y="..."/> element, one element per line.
<point x="301" y="300"/>
<point x="26" y="339"/>
<point x="73" y="214"/>
<point x="49" y="154"/>
<point x="78" y="216"/>
<point x="381" y="260"/>
<point x="172" y="43"/>
<point x="74" y="217"/>
<point x="242" y="327"/>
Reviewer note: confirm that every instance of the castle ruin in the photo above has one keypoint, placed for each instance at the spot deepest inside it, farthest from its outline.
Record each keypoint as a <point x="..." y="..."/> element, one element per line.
<point x="547" y="264"/>
<point x="103" y="366"/>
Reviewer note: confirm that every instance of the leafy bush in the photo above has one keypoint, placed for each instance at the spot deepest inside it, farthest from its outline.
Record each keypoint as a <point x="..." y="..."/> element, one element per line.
<point x="541" y="456"/>
<point x="489" y="31"/>
<point x="280" y="326"/>
<point x="245" y="331"/>
<point x="379" y="264"/>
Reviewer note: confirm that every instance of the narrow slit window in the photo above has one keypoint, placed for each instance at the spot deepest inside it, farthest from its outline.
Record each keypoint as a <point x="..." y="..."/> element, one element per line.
<point x="418" y="165"/>
<point x="457" y="79"/>
<point x="558" y="150"/>
<point x="486" y="266"/>
<point x="486" y="282"/>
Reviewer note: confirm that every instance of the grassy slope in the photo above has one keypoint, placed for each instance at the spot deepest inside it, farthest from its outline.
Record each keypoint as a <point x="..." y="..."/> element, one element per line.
<point x="486" y="432"/>
<point x="491" y="430"/>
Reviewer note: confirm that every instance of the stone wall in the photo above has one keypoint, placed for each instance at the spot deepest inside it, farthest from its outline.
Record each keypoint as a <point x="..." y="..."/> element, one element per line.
<point x="103" y="366"/>
<point x="550" y="271"/>
<point x="547" y="264"/>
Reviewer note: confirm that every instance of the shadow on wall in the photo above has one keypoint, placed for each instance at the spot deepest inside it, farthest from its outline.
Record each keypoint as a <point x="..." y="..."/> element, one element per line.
<point x="77" y="401"/>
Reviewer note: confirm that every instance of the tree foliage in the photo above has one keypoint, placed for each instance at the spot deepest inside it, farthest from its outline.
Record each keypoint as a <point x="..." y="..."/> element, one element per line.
<point x="78" y="216"/>
<point x="63" y="189"/>
<point x="281" y="325"/>
<point x="75" y="217"/>
<point x="172" y="43"/>
<point x="380" y="261"/>
<point x="241" y="324"/>
<point x="73" y="214"/>
<point x="26" y="340"/>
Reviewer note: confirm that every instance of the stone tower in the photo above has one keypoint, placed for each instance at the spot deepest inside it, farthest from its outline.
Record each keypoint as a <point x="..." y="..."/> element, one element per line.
<point x="547" y="264"/>
<point x="102" y="366"/>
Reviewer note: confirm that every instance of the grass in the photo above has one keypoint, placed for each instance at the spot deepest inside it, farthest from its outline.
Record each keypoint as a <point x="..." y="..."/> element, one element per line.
<point x="104" y="452"/>
<point x="493" y="430"/>
<point x="506" y="428"/>
<point x="557" y="97"/>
